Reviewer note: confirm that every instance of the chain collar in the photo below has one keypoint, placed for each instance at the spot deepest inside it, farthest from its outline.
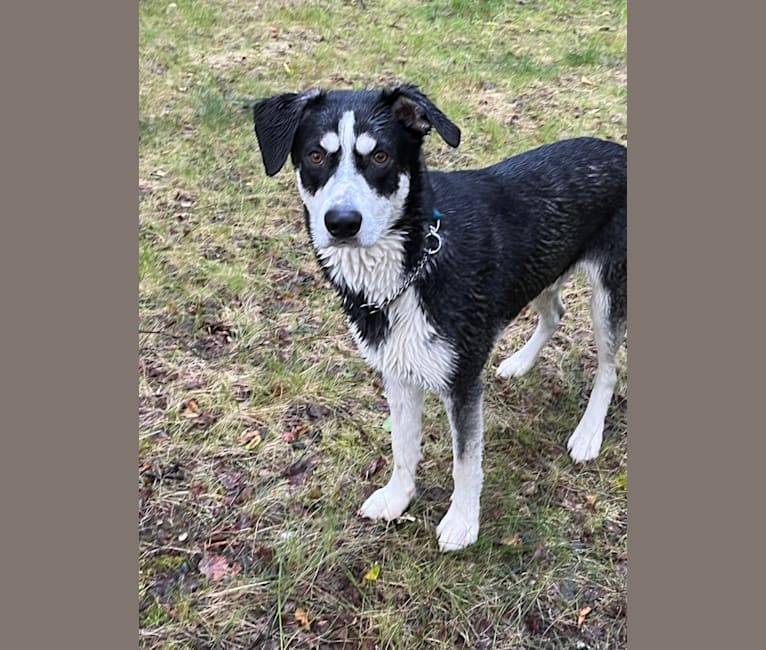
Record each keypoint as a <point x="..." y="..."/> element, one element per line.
<point x="433" y="233"/>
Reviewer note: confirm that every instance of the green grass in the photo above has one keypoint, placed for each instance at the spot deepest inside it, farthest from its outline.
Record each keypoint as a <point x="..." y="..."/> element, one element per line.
<point x="235" y="315"/>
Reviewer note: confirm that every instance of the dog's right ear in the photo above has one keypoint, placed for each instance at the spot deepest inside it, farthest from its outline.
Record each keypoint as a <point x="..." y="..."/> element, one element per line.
<point x="276" y="121"/>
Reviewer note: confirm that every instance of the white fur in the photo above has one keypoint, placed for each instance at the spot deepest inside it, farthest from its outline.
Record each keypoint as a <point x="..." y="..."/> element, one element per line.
<point x="376" y="270"/>
<point x="347" y="189"/>
<point x="412" y="351"/>
<point x="406" y="403"/>
<point x="460" y="526"/>
<point x="549" y="307"/>
<point x="330" y="142"/>
<point x="585" y="443"/>
<point x="365" y="143"/>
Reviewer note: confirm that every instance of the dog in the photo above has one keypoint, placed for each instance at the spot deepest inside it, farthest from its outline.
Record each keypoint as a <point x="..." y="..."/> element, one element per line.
<point x="431" y="267"/>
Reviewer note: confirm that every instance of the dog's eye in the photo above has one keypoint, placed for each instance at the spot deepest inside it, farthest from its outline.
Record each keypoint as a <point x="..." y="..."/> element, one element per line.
<point x="316" y="157"/>
<point x="380" y="157"/>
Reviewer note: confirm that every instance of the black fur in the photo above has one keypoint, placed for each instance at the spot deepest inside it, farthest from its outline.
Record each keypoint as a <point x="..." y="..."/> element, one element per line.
<point x="512" y="229"/>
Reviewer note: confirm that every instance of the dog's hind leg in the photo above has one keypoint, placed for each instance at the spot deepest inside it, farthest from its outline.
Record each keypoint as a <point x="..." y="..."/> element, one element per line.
<point x="609" y="313"/>
<point x="550" y="309"/>
<point x="460" y="526"/>
<point x="405" y="401"/>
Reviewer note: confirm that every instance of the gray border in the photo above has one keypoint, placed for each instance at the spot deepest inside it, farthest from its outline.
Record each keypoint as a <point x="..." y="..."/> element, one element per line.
<point x="695" y="173"/>
<point x="69" y="270"/>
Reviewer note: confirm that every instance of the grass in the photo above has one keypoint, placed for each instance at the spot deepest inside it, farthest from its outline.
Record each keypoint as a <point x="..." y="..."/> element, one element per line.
<point x="261" y="431"/>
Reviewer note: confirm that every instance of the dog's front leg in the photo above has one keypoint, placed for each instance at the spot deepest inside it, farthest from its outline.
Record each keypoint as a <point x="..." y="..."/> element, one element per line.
<point x="405" y="401"/>
<point x="460" y="526"/>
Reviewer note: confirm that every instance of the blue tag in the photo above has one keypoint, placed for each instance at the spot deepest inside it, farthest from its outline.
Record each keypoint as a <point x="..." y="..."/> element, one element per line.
<point x="437" y="215"/>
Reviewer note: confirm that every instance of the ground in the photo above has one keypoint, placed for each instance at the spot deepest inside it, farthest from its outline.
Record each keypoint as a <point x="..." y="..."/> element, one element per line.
<point x="261" y="430"/>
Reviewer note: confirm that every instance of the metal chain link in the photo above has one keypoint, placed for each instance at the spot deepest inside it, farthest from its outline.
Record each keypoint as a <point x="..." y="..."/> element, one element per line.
<point x="433" y="231"/>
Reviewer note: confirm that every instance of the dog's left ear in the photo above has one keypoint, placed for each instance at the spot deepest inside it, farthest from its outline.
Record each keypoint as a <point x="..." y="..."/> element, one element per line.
<point x="413" y="109"/>
<point x="276" y="121"/>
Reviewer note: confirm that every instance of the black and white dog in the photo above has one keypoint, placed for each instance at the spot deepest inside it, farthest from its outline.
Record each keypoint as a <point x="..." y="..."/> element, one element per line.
<point x="431" y="267"/>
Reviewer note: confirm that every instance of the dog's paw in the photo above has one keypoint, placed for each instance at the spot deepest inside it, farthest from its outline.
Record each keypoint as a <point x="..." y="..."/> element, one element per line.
<point x="457" y="530"/>
<point x="387" y="503"/>
<point x="585" y="443"/>
<point x="518" y="364"/>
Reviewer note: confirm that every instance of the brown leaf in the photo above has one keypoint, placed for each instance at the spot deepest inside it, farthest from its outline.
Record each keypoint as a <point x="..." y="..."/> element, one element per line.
<point x="251" y="438"/>
<point x="190" y="409"/>
<point x="515" y="540"/>
<point x="373" y="466"/>
<point x="302" y="617"/>
<point x="316" y="412"/>
<point x="294" y="432"/>
<point x="217" y="567"/>
<point x="196" y="488"/>
<point x="590" y="502"/>
<point x="583" y="613"/>
<point x="299" y="470"/>
<point x="533" y="623"/>
<point x="263" y="553"/>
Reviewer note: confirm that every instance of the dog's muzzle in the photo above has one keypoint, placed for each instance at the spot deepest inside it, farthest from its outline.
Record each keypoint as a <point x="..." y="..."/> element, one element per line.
<point x="343" y="224"/>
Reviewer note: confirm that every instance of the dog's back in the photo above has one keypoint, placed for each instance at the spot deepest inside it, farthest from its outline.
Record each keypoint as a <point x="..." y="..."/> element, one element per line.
<point x="514" y="228"/>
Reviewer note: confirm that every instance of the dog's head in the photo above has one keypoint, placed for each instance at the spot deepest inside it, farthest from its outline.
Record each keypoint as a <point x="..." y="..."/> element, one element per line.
<point x="355" y="154"/>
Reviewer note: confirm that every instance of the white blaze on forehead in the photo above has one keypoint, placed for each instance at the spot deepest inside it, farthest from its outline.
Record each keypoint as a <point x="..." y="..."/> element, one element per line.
<point x="346" y="132"/>
<point x="330" y="142"/>
<point x="365" y="143"/>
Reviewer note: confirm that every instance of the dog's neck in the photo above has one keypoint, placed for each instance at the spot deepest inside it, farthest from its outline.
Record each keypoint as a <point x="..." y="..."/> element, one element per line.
<point x="374" y="273"/>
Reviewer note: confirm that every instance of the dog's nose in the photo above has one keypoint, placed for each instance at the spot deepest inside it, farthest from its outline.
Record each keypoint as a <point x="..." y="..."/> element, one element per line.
<point x="343" y="223"/>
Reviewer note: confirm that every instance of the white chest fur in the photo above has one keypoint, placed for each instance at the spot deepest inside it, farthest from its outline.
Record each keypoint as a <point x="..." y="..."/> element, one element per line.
<point x="412" y="350"/>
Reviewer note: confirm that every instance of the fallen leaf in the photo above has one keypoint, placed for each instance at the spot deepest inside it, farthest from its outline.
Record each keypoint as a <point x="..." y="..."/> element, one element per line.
<point x="251" y="438"/>
<point x="533" y="623"/>
<point x="590" y="502"/>
<point x="583" y="613"/>
<point x="373" y="573"/>
<point x="373" y="466"/>
<point x="291" y="435"/>
<point x="314" y="493"/>
<point x="317" y="412"/>
<point x="190" y="409"/>
<point x="297" y="472"/>
<point x="302" y="617"/>
<point x="217" y="567"/>
<point x="511" y="541"/>
<point x="529" y="488"/>
<point x="263" y="553"/>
